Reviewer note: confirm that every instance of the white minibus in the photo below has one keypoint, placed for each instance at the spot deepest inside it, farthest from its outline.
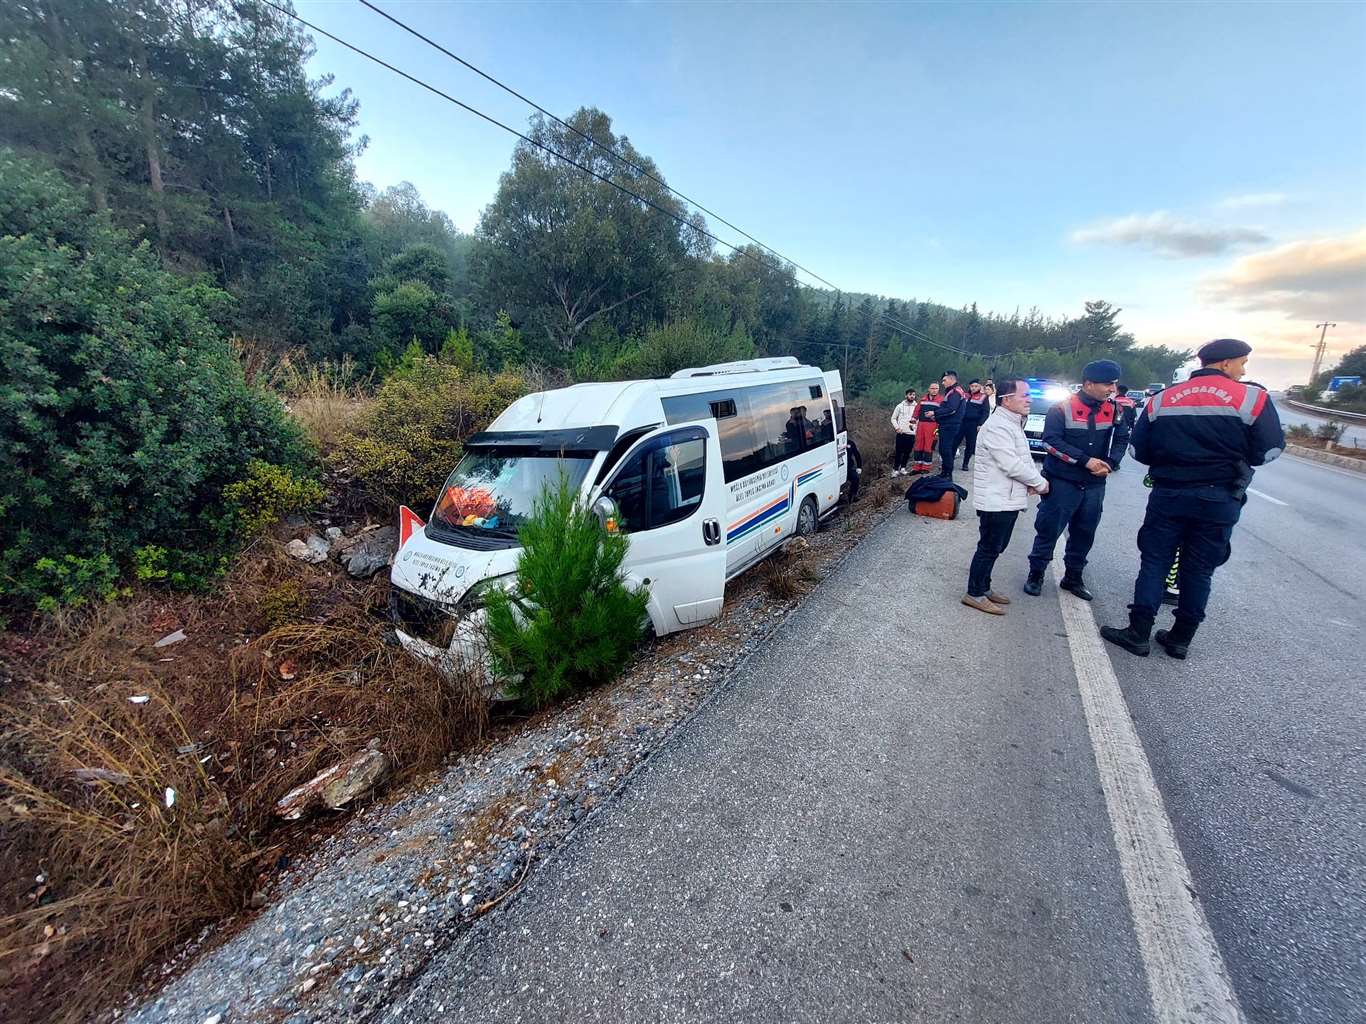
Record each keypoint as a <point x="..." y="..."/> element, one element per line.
<point x="707" y="472"/>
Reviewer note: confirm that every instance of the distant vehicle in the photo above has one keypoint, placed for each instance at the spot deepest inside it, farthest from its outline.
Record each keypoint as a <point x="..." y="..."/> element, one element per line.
<point x="1154" y="388"/>
<point x="1043" y="395"/>
<point x="1295" y="391"/>
<point x="1183" y="372"/>
<point x="706" y="471"/>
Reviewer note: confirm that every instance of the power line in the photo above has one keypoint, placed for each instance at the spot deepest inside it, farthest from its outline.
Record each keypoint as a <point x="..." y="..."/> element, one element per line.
<point x="589" y="139"/>
<point x="917" y="335"/>
<point x="512" y="131"/>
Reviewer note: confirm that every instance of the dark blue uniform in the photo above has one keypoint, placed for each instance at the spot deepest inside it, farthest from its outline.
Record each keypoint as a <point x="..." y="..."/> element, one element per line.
<point x="1074" y="432"/>
<point x="1200" y="440"/>
<point x="949" y="416"/>
<point x="975" y="412"/>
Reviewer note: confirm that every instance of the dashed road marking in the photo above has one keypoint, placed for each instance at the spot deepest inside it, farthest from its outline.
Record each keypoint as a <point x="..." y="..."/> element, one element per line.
<point x="1263" y="494"/>
<point x="1187" y="979"/>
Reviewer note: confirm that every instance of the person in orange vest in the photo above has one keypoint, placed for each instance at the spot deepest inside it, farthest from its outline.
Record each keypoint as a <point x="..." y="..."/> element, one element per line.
<point x="922" y="456"/>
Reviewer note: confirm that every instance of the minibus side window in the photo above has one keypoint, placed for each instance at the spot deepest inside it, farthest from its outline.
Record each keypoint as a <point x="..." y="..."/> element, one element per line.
<point x="662" y="483"/>
<point x="837" y="400"/>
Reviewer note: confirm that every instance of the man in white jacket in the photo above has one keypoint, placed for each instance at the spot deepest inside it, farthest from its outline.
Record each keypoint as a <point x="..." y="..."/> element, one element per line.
<point x="903" y="422"/>
<point x="1003" y="478"/>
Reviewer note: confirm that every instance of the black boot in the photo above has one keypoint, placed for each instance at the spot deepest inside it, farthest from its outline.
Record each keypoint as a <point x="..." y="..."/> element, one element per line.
<point x="1073" y="583"/>
<point x="1134" y="637"/>
<point x="1034" y="583"/>
<point x="1176" y="641"/>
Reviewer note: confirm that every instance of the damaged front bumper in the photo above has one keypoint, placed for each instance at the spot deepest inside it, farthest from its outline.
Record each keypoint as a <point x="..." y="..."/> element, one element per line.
<point x="451" y="638"/>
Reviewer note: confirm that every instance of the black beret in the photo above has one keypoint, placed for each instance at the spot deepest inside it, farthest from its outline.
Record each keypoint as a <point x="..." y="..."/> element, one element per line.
<point x="950" y="373"/>
<point x="1104" y="371"/>
<point x="1223" y="348"/>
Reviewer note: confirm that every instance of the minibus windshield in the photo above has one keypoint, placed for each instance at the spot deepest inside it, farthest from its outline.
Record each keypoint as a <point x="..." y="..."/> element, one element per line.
<point x="494" y="493"/>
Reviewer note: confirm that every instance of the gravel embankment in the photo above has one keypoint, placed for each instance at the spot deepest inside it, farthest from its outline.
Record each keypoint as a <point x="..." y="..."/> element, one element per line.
<point x="368" y="907"/>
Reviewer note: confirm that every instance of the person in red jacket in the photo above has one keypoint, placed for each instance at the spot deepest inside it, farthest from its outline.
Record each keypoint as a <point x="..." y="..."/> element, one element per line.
<point x="922" y="456"/>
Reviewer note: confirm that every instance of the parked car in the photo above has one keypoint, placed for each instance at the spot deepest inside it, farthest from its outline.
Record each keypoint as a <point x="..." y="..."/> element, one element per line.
<point x="1043" y="395"/>
<point x="1154" y="388"/>
<point x="707" y="471"/>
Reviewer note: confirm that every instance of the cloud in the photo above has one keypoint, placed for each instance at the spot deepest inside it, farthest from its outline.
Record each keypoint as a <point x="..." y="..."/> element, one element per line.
<point x="1167" y="235"/>
<point x="1254" y="200"/>
<point x="1312" y="279"/>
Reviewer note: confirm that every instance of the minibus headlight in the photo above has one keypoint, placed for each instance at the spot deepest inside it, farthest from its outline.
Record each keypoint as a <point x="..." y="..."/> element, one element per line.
<point x="476" y="595"/>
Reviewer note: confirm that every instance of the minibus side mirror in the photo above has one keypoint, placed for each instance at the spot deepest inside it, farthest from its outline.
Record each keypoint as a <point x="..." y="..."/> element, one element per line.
<point x="609" y="515"/>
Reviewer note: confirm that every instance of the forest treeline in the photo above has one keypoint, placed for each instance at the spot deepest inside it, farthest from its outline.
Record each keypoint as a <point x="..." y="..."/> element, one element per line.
<point x="195" y="124"/>
<point x="180" y="218"/>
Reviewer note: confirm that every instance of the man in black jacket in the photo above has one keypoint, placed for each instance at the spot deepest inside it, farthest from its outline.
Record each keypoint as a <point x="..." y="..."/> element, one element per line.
<point x="1085" y="436"/>
<point x="975" y="413"/>
<point x="1200" y="440"/>
<point x="949" y="416"/>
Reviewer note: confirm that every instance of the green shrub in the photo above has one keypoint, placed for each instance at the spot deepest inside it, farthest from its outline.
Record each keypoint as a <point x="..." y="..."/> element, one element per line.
<point x="458" y="349"/>
<point x="181" y="569"/>
<point x="1330" y="431"/>
<point x="410" y="437"/>
<point x="672" y="347"/>
<point x="268" y="494"/>
<point x="1299" y="432"/>
<point x="569" y="621"/>
<point x="125" y="411"/>
<point x="70" y="581"/>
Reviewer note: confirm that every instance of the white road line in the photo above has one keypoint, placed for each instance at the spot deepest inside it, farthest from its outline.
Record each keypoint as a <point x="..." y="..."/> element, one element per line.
<point x="1263" y="494"/>
<point x="1187" y="979"/>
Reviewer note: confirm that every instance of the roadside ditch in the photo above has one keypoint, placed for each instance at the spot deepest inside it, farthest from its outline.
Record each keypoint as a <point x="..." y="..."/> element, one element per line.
<point x="364" y="906"/>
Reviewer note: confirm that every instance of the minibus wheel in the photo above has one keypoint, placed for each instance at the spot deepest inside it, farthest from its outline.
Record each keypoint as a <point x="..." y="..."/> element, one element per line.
<point x="808" y="518"/>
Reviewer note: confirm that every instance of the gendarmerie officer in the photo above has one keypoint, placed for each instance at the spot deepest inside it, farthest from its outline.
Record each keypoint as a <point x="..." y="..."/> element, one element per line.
<point x="1200" y="440"/>
<point x="1085" y="436"/>
<point x="949" y="416"/>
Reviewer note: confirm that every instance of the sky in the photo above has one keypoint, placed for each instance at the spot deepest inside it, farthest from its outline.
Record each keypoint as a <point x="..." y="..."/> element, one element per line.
<point x="1202" y="166"/>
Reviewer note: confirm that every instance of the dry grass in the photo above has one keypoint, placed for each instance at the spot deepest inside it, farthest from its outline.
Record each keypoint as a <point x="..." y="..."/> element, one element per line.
<point x="235" y="717"/>
<point x="869" y="427"/>
<point x="328" y="399"/>
<point x="788" y="573"/>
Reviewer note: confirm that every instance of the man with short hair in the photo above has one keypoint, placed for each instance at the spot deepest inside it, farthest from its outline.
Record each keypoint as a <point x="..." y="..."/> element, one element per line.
<point x="1084" y="436"/>
<point x="949" y="416"/>
<point x="903" y="422"/>
<point x="975" y="413"/>
<point x="1200" y="440"/>
<point x="1002" y="481"/>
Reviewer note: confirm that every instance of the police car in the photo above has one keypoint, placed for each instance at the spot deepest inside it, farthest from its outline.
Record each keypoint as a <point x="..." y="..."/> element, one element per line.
<point x="1043" y="395"/>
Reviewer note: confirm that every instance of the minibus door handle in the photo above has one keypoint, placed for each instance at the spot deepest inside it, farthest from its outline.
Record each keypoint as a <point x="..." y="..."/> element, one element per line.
<point x="711" y="531"/>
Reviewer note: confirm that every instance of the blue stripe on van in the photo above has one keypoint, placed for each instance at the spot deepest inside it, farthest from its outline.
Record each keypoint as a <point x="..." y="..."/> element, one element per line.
<point x="757" y="519"/>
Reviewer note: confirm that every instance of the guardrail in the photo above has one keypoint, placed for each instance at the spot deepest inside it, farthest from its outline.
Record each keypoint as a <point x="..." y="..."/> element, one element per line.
<point x="1332" y="414"/>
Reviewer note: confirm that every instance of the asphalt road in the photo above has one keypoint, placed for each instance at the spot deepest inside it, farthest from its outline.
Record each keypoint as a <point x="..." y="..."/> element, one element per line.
<point x="894" y="812"/>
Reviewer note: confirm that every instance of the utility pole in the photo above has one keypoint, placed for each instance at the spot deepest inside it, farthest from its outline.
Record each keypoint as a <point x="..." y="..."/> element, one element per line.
<point x="1318" y="352"/>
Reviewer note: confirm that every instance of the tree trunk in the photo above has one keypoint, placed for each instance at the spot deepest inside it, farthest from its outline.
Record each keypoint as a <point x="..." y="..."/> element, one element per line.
<point x="149" y="140"/>
<point x="85" y="148"/>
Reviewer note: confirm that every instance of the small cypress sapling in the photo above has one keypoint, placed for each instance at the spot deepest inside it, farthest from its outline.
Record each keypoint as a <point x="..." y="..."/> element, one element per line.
<point x="570" y="621"/>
